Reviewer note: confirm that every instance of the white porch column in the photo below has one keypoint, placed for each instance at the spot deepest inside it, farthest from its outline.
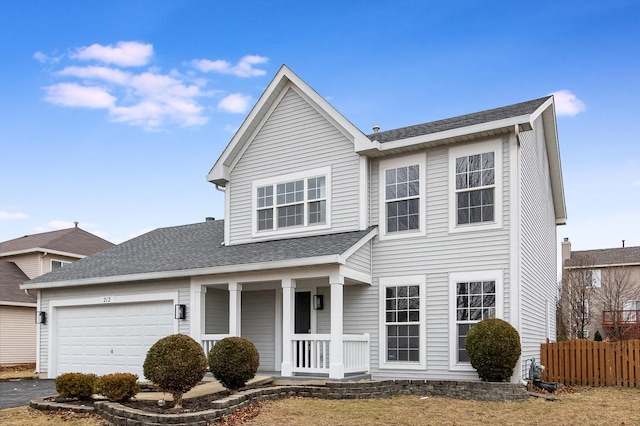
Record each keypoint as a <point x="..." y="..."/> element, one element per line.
<point x="336" y="357"/>
<point x="288" y="321"/>
<point x="197" y="311"/>
<point x="235" y="309"/>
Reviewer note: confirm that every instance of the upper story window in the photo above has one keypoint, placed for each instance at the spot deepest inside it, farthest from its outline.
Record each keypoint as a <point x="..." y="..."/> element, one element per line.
<point x="475" y="188"/>
<point x="593" y="278"/>
<point x="295" y="200"/>
<point x="55" y="264"/>
<point x="402" y="190"/>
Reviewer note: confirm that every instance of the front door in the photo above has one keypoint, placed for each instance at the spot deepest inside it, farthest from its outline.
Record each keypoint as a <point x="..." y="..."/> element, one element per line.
<point x="303" y="312"/>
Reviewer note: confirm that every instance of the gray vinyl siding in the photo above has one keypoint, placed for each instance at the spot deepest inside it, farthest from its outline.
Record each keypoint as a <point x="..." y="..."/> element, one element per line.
<point x="295" y="138"/>
<point x="323" y="317"/>
<point x="258" y="324"/>
<point x="216" y="319"/>
<point x="435" y="256"/>
<point x="181" y="286"/>
<point x="361" y="259"/>
<point x="538" y="257"/>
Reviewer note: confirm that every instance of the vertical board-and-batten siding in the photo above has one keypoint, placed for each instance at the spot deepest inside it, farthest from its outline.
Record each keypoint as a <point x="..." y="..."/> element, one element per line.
<point x="17" y="335"/>
<point x="435" y="256"/>
<point x="182" y="286"/>
<point x="538" y="257"/>
<point x="258" y="324"/>
<point x="296" y="138"/>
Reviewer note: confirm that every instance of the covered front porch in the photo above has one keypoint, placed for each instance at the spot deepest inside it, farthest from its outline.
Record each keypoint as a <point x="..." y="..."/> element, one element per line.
<point x="295" y="317"/>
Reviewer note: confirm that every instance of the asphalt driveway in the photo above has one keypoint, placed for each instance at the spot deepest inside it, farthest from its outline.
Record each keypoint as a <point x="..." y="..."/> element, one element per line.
<point x="20" y="392"/>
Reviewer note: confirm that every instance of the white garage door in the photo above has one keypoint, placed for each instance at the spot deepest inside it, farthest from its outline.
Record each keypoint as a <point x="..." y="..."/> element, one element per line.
<point x="110" y="338"/>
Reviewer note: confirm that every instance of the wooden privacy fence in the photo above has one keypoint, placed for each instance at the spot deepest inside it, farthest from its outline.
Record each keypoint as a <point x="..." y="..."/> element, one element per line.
<point x="589" y="363"/>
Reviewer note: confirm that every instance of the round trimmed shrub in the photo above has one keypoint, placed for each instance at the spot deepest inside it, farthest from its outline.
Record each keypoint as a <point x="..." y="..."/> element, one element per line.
<point x="493" y="346"/>
<point x="176" y="364"/>
<point x="118" y="386"/>
<point x="76" y="385"/>
<point x="234" y="361"/>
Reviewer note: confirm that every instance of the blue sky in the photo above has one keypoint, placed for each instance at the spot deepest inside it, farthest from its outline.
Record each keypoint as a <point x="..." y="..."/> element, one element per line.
<point x="112" y="113"/>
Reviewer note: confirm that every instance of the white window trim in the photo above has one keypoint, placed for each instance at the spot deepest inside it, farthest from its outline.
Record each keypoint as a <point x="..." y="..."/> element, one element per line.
<point x="323" y="171"/>
<point x="454" y="278"/>
<point x="394" y="163"/>
<point x="419" y="280"/>
<point x="474" y="149"/>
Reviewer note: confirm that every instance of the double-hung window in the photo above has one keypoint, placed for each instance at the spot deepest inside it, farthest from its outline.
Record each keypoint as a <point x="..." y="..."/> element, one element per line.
<point x="402" y="322"/>
<point x="291" y="201"/>
<point x="475" y="188"/>
<point x="474" y="297"/>
<point x="402" y="190"/>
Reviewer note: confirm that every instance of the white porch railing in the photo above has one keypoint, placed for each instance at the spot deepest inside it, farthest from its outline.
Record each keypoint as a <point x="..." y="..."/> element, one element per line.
<point x="209" y="340"/>
<point x="310" y="353"/>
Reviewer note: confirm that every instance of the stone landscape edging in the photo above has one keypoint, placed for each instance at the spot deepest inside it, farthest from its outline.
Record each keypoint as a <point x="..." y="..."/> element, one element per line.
<point x="121" y="415"/>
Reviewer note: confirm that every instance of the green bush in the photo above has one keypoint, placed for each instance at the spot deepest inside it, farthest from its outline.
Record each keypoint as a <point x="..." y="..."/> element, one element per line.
<point x="597" y="337"/>
<point x="118" y="386"/>
<point x="493" y="346"/>
<point x="234" y="361"/>
<point x="76" y="385"/>
<point x="176" y="364"/>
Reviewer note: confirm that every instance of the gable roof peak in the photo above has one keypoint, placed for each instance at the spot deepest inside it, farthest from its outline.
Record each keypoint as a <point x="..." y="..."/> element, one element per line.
<point x="284" y="79"/>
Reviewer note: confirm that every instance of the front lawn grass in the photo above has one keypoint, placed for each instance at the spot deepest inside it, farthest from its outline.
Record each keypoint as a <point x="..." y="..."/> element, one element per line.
<point x="586" y="406"/>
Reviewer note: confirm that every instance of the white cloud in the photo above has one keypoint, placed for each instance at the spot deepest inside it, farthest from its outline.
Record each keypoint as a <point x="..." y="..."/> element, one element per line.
<point x="74" y="95"/>
<point x="110" y="75"/>
<point x="150" y="98"/>
<point x="244" y="68"/>
<point x="12" y="216"/>
<point x="124" y="53"/>
<point x="567" y="103"/>
<point x="235" y="103"/>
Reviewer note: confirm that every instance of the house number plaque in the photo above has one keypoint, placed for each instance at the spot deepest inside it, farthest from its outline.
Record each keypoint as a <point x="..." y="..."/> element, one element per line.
<point x="108" y="299"/>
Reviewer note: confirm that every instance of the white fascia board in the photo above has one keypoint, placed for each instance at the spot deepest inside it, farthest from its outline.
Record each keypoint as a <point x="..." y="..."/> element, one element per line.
<point x="42" y="250"/>
<point x="454" y="133"/>
<point x="18" y="304"/>
<point x="215" y="270"/>
<point x="555" y="166"/>
<point x="602" y="266"/>
<point x="344" y="256"/>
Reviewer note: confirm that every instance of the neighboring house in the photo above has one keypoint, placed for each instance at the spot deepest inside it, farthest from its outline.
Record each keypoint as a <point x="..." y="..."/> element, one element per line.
<point x="28" y="257"/>
<point x="613" y="277"/>
<point x="341" y="253"/>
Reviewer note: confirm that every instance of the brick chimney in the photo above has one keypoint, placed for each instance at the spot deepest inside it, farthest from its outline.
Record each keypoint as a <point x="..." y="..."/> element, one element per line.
<point x="566" y="250"/>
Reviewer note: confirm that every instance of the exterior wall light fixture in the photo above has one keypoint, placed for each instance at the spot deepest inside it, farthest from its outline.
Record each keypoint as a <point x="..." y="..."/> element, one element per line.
<point x="180" y="312"/>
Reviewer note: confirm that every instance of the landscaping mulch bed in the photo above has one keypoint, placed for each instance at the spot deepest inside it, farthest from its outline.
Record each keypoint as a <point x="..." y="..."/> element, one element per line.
<point x="191" y="405"/>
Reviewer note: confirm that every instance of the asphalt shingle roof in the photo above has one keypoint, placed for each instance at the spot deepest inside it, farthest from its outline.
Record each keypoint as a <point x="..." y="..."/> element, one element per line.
<point x="71" y="240"/>
<point x="515" y="110"/>
<point x="196" y="246"/>
<point x="11" y="276"/>
<point x="611" y="256"/>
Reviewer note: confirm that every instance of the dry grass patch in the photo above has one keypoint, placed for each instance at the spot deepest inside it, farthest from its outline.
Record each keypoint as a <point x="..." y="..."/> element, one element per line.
<point x="24" y="416"/>
<point x="18" y="371"/>
<point x="588" y="406"/>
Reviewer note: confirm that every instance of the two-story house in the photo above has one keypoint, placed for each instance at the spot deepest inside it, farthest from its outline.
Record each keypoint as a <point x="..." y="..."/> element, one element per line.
<point x="340" y="253"/>
<point x="28" y="257"/>
<point x="610" y="302"/>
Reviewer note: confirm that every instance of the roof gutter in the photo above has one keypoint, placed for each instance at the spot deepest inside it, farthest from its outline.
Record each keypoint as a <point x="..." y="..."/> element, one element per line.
<point x="216" y="270"/>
